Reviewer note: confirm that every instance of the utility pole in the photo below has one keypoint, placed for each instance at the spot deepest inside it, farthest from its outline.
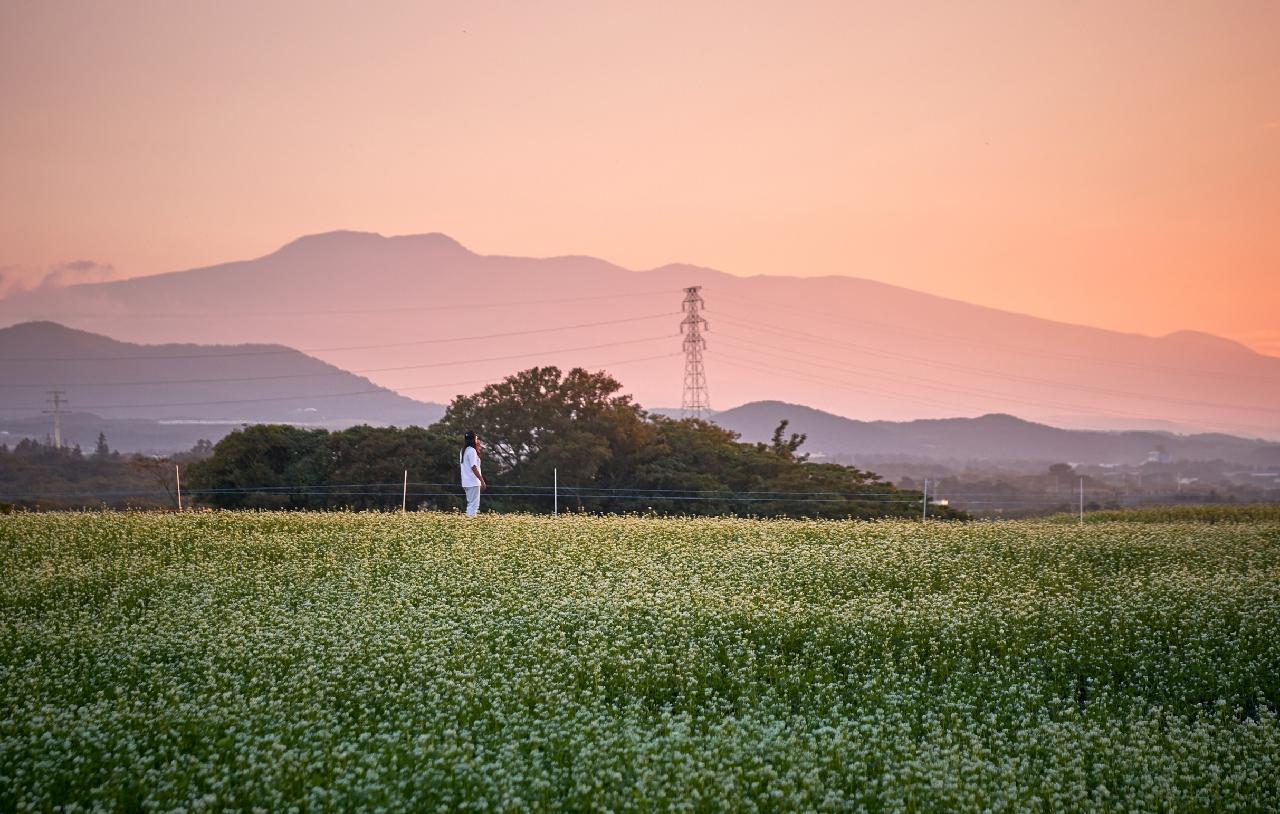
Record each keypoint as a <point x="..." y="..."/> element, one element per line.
<point x="56" y="399"/>
<point x="695" y="400"/>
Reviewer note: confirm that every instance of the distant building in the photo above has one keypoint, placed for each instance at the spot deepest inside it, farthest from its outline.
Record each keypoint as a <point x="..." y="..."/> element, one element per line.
<point x="1159" y="455"/>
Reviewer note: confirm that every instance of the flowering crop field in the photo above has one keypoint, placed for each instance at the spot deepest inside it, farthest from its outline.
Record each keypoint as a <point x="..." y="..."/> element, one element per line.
<point x="422" y="662"/>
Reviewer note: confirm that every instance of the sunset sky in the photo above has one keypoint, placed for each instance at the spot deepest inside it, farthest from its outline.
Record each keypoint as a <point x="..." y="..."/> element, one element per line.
<point x="1115" y="164"/>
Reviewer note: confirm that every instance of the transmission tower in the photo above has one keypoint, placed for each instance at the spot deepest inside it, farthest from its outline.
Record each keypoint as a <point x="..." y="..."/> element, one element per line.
<point x="56" y="399"/>
<point x="695" y="401"/>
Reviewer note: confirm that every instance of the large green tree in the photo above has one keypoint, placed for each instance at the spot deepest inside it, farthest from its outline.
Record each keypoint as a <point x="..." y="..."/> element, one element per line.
<point x="541" y="419"/>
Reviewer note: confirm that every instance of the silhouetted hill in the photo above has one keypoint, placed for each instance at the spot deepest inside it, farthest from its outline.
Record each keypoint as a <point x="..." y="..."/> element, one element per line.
<point x="424" y="315"/>
<point x="226" y="383"/>
<point x="993" y="437"/>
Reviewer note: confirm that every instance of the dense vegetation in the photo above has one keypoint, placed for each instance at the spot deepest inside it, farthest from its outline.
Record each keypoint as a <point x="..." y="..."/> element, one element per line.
<point x="423" y="662"/>
<point x="42" y="476"/>
<point x="538" y="426"/>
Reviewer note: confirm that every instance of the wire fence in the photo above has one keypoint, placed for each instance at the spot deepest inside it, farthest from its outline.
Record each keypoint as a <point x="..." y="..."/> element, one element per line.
<point x="410" y="494"/>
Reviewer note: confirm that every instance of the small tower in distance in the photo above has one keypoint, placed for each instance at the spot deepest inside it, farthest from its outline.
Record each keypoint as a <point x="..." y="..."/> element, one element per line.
<point x="695" y="401"/>
<point x="56" y="401"/>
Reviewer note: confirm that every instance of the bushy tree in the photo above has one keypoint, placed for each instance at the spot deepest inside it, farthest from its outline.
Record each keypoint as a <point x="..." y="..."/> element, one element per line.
<point x="263" y="466"/>
<point x="374" y="460"/>
<point x="541" y="421"/>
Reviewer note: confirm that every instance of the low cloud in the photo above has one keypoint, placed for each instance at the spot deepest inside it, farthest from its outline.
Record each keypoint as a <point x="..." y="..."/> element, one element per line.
<point x="17" y="279"/>
<point x="78" y="271"/>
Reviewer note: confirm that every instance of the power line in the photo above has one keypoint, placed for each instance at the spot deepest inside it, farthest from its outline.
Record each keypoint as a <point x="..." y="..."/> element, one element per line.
<point x="343" y="311"/>
<point x="903" y="378"/>
<point x="861" y="387"/>
<point x="304" y="491"/>
<point x="845" y="318"/>
<point x="814" y="378"/>
<point x="804" y="336"/>
<point x="342" y="372"/>
<point x="330" y="349"/>
<point x="389" y="391"/>
<point x="394" y="488"/>
<point x="654" y="495"/>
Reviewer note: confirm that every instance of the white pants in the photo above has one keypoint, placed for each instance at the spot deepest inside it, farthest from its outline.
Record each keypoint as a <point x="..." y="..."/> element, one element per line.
<point x="473" y="499"/>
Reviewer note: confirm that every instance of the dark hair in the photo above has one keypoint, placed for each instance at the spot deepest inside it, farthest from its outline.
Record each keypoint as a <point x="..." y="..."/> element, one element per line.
<point x="468" y="441"/>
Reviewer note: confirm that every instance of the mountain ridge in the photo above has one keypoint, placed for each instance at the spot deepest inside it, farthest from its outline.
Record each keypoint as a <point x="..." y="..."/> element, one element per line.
<point x="852" y="346"/>
<point x="347" y="239"/>
<point x="993" y="437"/>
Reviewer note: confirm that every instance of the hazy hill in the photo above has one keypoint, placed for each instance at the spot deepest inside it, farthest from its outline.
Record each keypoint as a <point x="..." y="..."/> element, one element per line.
<point x="236" y="383"/>
<point x="145" y="435"/>
<point x="423" y="315"/>
<point x="989" y="437"/>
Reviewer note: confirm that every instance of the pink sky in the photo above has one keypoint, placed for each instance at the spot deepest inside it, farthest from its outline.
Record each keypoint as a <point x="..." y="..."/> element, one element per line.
<point x="1113" y="164"/>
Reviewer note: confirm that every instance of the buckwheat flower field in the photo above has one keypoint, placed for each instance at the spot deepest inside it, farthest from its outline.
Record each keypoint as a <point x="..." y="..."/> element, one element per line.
<point x="276" y="662"/>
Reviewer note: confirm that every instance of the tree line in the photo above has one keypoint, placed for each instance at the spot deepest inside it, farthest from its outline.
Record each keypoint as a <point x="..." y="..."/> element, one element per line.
<point x="537" y="425"/>
<point x="35" y="475"/>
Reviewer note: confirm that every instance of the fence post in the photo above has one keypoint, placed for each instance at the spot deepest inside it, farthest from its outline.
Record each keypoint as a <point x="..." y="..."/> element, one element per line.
<point x="404" y="495"/>
<point x="1082" y="501"/>
<point x="555" y="491"/>
<point x="924" y="502"/>
<point x="177" y="476"/>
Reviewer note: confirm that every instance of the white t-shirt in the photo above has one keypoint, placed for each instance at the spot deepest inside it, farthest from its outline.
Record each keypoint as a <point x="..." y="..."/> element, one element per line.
<point x="469" y="459"/>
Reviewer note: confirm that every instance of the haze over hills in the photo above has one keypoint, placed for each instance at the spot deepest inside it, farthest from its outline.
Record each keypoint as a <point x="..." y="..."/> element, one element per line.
<point x="423" y="315"/>
<point x="992" y="438"/>
<point x="198" y="383"/>
<point x="162" y="398"/>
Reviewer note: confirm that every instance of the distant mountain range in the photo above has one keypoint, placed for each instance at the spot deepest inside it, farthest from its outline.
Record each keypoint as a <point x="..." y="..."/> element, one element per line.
<point x="188" y="382"/>
<point x="162" y="398"/>
<point x="992" y="438"/>
<point x="423" y="315"/>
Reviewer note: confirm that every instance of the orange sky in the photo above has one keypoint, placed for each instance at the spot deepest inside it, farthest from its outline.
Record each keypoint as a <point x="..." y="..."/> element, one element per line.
<point x="1114" y="164"/>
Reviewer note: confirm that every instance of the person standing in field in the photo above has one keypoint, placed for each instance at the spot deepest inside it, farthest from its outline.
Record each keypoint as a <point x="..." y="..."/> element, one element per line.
<point x="472" y="480"/>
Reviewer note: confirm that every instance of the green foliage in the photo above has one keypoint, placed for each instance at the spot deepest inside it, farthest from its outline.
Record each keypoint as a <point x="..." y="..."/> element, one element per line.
<point x="537" y="426"/>
<point x="362" y="456"/>
<point x="101" y="450"/>
<point x="540" y="419"/>
<point x="277" y="466"/>
<point x="274" y="464"/>
<point x="783" y="447"/>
